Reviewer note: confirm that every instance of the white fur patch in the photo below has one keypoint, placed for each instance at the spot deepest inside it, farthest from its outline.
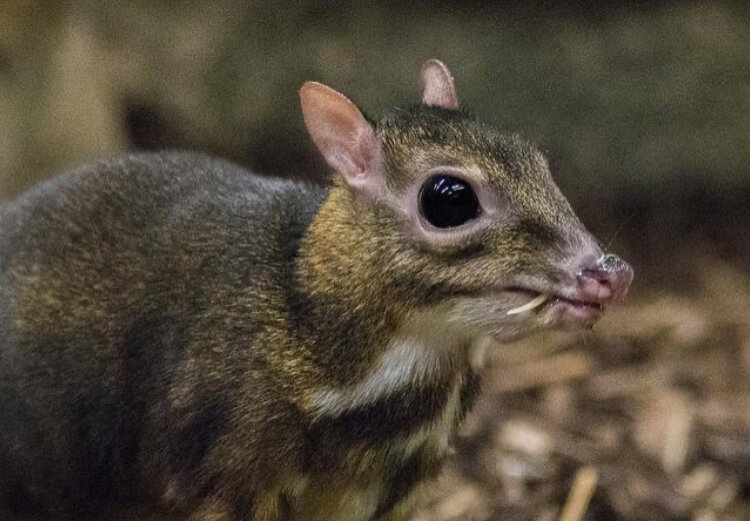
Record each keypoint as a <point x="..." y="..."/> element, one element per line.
<point x="427" y="347"/>
<point x="404" y="362"/>
<point x="478" y="353"/>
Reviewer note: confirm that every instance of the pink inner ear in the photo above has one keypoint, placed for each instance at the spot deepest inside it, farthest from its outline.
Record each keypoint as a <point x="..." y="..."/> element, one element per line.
<point x="340" y="131"/>
<point x="438" y="89"/>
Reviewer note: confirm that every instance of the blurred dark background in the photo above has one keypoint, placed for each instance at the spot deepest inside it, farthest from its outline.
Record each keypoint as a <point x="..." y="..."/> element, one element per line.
<point x="644" y="111"/>
<point x="643" y="108"/>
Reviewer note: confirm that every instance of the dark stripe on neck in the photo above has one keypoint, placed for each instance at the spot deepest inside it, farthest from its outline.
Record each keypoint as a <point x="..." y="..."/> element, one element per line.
<point x="398" y="414"/>
<point x="414" y="470"/>
<point x="472" y="386"/>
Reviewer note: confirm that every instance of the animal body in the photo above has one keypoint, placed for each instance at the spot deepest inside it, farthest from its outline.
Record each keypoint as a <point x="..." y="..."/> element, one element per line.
<point x="184" y="338"/>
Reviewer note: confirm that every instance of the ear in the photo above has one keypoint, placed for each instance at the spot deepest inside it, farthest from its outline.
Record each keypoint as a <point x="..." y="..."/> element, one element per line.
<point x="438" y="89"/>
<point x="342" y="134"/>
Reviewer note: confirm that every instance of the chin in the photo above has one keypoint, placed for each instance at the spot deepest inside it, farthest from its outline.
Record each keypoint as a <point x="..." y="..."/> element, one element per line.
<point x="505" y="333"/>
<point x="490" y="316"/>
<point x="570" y="316"/>
<point x="555" y="319"/>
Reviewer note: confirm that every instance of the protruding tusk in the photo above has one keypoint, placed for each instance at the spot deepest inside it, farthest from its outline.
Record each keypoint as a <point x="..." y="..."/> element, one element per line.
<point x="535" y="303"/>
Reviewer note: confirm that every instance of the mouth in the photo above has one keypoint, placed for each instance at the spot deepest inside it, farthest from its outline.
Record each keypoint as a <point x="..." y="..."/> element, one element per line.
<point x="568" y="308"/>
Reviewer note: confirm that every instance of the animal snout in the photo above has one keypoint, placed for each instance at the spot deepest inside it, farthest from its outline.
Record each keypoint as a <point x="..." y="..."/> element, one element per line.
<point x="607" y="281"/>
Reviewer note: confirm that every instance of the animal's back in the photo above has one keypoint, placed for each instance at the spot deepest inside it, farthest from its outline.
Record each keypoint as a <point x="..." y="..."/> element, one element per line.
<point x="111" y="280"/>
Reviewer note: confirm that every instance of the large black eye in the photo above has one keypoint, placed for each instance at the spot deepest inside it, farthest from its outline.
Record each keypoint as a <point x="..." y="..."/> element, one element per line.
<point x="447" y="201"/>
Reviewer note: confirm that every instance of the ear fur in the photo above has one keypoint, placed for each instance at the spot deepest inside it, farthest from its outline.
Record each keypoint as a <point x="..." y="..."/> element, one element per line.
<point x="343" y="136"/>
<point x="438" y="89"/>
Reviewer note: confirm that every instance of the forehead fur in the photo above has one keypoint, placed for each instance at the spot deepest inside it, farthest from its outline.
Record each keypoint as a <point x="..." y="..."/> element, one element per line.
<point x="421" y="137"/>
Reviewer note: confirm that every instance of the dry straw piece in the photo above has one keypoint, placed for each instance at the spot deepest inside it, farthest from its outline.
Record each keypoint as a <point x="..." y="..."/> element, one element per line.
<point x="580" y="494"/>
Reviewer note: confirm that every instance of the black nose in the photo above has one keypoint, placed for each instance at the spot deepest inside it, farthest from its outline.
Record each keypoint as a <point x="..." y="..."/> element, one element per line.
<point x="607" y="281"/>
